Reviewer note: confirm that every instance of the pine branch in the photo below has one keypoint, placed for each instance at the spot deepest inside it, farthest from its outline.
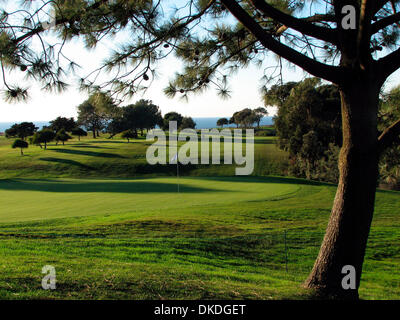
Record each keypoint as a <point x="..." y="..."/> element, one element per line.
<point x="58" y="22"/>
<point x="389" y="64"/>
<point x="313" y="67"/>
<point x="385" y="22"/>
<point x="303" y="26"/>
<point x="389" y="136"/>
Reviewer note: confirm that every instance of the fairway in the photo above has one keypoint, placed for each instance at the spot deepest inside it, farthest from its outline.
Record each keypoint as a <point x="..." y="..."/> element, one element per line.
<point x="25" y="200"/>
<point x="115" y="227"/>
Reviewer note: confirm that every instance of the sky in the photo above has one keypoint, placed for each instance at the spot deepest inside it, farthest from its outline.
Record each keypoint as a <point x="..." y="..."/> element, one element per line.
<point x="244" y="86"/>
<point x="44" y="106"/>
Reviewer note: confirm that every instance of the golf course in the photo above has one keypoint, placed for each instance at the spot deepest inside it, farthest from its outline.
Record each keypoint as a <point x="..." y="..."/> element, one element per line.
<point x="115" y="227"/>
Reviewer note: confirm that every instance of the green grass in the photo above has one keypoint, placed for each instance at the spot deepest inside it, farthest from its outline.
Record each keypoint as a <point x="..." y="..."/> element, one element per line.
<point x="116" y="158"/>
<point x="222" y="237"/>
<point x="49" y="199"/>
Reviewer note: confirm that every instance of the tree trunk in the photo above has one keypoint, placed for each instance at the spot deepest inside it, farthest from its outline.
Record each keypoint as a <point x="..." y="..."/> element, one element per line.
<point x="22" y="153"/>
<point x="94" y="133"/>
<point x="79" y="138"/>
<point x="348" y="228"/>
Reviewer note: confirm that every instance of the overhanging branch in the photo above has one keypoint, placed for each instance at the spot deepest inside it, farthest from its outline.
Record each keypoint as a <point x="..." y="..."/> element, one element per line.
<point x="390" y="63"/>
<point x="301" y="25"/>
<point x="313" y="67"/>
<point x="379" y="4"/>
<point x="390" y="136"/>
<point x="385" y="22"/>
<point x="58" y="22"/>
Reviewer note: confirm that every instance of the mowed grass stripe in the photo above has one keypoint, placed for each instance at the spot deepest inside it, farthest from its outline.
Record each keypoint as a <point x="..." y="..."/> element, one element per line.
<point x="23" y="200"/>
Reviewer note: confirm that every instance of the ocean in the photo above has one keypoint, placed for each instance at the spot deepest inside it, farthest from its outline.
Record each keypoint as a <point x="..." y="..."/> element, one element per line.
<point x="208" y="123"/>
<point x="201" y="123"/>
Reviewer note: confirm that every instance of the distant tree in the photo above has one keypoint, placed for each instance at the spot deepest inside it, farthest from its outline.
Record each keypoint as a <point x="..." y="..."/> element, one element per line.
<point x="11" y="132"/>
<point x="89" y="117"/>
<point x="22" y="130"/>
<point x="245" y="118"/>
<point x="308" y="121"/>
<point x="79" y="132"/>
<point x="311" y="151"/>
<point x="43" y="136"/>
<point x="234" y="119"/>
<point x="131" y="118"/>
<point x="389" y="165"/>
<point x="187" y="123"/>
<point x="148" y="114"/>
<point x="310" y="106"/>
<point x="60" y="123"/>
<point x="129" y="134"/>
<point x="116" y="125"/>
<point x="278" y="93"/>
<point x="20" y="144"/>
<point x="95" y="112"/>
<point x="259" y="113"/>
<point x="62" y="136"/>
<point x="141" y="115"/>
<point x="172" y="116"/>
<point x="221" y="122"/>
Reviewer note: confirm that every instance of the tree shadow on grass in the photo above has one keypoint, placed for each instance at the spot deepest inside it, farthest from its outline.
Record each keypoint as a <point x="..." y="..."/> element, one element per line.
<point x="108" y="141"/>
<point x="88" y="146"/>
<point x="88" y="153"/>
<point x="126" y="186"/>
<point x="270" y="179"/>
<point x="68" y="162"/>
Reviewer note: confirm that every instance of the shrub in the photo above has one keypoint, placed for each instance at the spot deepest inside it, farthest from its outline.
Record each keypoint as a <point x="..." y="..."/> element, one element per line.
<point x="129" y="134"/>
<point x="43" y="136"/>
<point x="20" y="144"/>
<point x="79" y="132"/>
<point x="62" y="136"/>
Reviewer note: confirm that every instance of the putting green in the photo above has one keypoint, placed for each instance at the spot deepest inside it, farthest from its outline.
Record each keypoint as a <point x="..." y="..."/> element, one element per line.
<point x="24" y="200"/>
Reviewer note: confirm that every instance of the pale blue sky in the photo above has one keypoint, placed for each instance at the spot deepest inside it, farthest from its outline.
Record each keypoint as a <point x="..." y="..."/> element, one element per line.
<point x="44" y="106"/>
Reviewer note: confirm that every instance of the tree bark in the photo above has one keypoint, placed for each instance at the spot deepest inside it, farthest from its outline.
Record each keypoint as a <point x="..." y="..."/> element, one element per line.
<point x="94" y="133"/>
<point x="348" y="228"/>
